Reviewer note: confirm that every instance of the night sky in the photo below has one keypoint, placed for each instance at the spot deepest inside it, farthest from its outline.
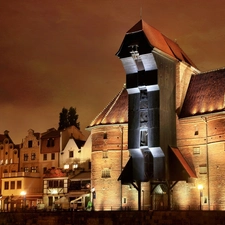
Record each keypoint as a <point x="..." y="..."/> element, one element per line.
<point x="61" y="53"/>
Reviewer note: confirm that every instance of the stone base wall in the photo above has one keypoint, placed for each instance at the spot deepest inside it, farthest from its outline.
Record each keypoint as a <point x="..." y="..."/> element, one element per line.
<point x="114" y="218"/>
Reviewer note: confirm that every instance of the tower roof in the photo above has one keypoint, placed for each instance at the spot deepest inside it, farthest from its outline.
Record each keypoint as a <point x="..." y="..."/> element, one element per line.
<point x="116" y="112"/>
<point x="205" y="94"/>
<point x="156" y="39"/>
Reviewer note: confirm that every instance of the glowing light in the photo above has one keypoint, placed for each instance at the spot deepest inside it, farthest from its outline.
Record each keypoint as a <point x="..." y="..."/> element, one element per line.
<point x="75" y="166"/>
<point x="66" y="166"/>
<point x="54" y="191"/>
<point x="200" y="187"/>
<point x="23" y="193"/>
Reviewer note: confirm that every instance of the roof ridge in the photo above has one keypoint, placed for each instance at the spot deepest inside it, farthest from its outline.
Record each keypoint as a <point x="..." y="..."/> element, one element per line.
<point x="212" y="70"/>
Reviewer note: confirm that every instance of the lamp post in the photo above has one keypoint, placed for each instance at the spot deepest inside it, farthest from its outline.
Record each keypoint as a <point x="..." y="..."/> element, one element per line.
<point x="23" y="193"/>
<point x="200" y="188"/>
<point x="143" y="199"/>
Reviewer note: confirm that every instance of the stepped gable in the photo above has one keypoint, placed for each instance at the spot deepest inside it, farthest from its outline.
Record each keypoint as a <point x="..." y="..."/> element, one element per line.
<point x="156" y="39"/>
<point x="205" y="94"/>
<point x="4" y="136"/>
<point x="116" y="112"/>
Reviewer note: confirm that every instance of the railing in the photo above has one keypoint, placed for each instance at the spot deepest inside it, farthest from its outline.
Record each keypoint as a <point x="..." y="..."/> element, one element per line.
<point x="21" y="174"/>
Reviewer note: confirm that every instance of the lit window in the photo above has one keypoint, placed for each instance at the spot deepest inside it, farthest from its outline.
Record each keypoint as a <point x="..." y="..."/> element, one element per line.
<point x="66" y="166"/>
<point x="203" y="169"/>
<point x="33" y="156"/>
<point x="25" y="157"/>
<point x="106" y="173"/>
<point x="26" y="169"/>
<point x="33" y="169"/>
<point x="196" y="150"/>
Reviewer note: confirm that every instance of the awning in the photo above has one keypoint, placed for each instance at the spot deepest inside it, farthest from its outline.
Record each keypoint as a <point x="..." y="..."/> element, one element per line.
<point x="126" y="176"/>
<point x="77" y="199"/>
<point x="61" y="200"/>
<point x="82" y="176"/>
<point x="176" y="160"/>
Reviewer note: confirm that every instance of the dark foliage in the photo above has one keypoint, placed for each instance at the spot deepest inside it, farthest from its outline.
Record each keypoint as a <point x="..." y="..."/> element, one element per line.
<point x="68" y="118"/>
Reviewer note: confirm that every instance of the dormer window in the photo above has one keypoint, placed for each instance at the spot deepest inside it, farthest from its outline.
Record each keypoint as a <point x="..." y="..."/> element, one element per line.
<point x="51" y="142"/>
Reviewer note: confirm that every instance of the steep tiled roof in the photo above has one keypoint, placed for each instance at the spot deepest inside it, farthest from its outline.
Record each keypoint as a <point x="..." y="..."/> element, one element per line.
<point x="50" y="133"/>
<point x="160" y="41"/>
<point x="116" y="112"/>
<point x="205" y="94"/>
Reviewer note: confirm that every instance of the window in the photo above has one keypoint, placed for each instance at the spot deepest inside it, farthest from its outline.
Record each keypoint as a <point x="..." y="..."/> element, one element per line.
<point x="51" y="142"/>
<point x="19" y="184"/>
<point x="33" y="169"/>
<point x="105" y="136"/>
<point x="106" y="173"/>
<point x="196" y="130"/>
<point x="70" y="154"/>
<point x="144" y="138"/>
<point x="124" y="200"/>
<point x="203" y="169"/>
<point x="44" y="169"/>
<point x="33" y="156"/>
<point x="53" y="156"/>
<point x="25" y="157"/>
<point x="196" y="150"/>
<point x="61" y="183"/>
<point x="50" y="200"/>
<point x="12" y="186"/>
<point x="26" y="169"/>
<point x="105" y="154"/>
<point x="45" y="157"/>
<point x="6" y="186"/>
<point x="55" y="183"/>
<point x="30" y="144"/>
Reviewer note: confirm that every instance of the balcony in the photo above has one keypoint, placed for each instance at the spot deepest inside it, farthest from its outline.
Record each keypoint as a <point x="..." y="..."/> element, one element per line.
<point x="21" y="174"/>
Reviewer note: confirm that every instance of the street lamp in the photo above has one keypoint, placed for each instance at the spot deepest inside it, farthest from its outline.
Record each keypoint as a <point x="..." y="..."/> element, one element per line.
<point x="200" y="188"/>
<point x="23" y="193"/>
<point x="143" y="200"/>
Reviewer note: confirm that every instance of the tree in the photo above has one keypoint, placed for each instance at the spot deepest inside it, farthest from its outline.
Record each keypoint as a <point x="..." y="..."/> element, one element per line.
<point x="68" y="118"/>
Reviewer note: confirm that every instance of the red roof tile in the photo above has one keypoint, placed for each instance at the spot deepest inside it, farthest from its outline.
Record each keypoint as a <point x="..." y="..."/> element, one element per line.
<point x="158" y="40"/>
<point x="205" y="94"/>
<point x="116" y="112"/>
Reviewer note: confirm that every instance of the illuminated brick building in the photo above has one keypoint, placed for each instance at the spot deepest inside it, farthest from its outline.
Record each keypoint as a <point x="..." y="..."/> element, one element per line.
<point x="169" y="105"/>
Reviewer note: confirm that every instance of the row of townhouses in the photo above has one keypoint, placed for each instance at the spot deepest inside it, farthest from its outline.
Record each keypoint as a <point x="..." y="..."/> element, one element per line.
<point x="45" y="167"/>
